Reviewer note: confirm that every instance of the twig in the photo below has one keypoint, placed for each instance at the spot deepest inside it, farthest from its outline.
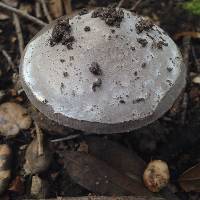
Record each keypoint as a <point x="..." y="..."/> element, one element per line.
<point x="70" y="137"/>
<point x="19" y="33"/>
<point x="38" y="12"/>
<point x="120" y="4"/>
<point x="20" y="13"/>
<point x="68" y="6"/>
<point x="40" y="139"/>
<point x="45" y="9"/>
<point x="192" y="34"/>
<point x="8" y="58"/>
<point x="135" y="5"/>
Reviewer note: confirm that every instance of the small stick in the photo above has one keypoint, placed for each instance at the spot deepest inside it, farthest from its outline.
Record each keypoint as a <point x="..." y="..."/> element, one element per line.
<point x="38" y="12"/>
<point x="40" y="139"/>
<point x="135" y="5"/>
<point x="70" y="137"/>
<point x="21" y="13"/>
<point x="120" y="4"/>
<point x="8" y="58"/>
<point x="68" y="7"/>
<point x="19" y="33"/>
<point x="45" y="9"/>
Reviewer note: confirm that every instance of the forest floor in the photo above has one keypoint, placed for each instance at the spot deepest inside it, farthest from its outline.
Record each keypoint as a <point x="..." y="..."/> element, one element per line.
<point x="175" y="138"/>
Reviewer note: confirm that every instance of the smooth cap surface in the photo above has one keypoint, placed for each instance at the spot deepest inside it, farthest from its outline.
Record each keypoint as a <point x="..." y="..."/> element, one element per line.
<point x="111" y="78"/>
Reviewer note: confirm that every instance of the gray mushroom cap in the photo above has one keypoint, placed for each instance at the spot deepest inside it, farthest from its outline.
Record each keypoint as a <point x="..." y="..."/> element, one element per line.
<point x="138" y="83"/>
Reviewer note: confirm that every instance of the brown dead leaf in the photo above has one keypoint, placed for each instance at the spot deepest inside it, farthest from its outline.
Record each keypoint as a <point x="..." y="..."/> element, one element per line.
<point x="17" y="185"/>
<point x="113" y="154"/>
<point x="36" y="162"/>
<point x="98" y="177"/>
<point x="13" y="118"/>
<point x="190" y="179"/>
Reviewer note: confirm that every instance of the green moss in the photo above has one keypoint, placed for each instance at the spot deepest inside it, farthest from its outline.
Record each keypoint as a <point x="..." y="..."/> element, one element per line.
<point x="193" y="6"/>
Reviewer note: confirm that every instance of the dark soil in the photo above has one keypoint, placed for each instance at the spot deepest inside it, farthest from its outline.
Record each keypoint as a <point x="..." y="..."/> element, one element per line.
<point x="95" y="69"/>
<point x="83" y="12"/>
<point x="160" y="44"/>
<point x="143" y="42"/>
<point x="143" y="25"/>
<point x="96" y="84"/>
<point x="87" y="28"/>
<point x="144" y="65"/>
<point x="62" y="34"/>
<point x="111" y="16"/>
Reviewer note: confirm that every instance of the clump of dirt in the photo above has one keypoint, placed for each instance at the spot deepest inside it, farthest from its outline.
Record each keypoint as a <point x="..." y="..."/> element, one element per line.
<point x="65" y="74"/>
<point x="143" y="42"/>
<point x="111" y="16"/>
<point x="144" y="65"/>
<point x="138" y="100"/>
<point x="87" y="29"/>
<point x="160" y="44"/>
<point x="143" y="25"/>
<point x="95" y="69"/>
<point x="62" y="34"/>
<point x="133" y="48"/>
<point x="122" y="101"/>
<point x="62" y="60"/>
<point x="96" y="84"/>
<point x="84" y="11"/>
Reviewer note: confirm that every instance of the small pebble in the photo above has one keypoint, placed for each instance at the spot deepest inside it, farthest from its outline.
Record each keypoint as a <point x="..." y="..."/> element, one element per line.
<point x="87" y="28"/>
<point x="156" y="175"/>
<point x="196" y="79"/>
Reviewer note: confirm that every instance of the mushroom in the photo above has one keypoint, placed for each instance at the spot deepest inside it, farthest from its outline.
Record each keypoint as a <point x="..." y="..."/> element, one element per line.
<point x="122" y="74"/>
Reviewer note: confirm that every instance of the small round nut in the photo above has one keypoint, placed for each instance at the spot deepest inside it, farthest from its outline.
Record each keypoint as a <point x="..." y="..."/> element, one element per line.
<point x="156" y="175"/>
